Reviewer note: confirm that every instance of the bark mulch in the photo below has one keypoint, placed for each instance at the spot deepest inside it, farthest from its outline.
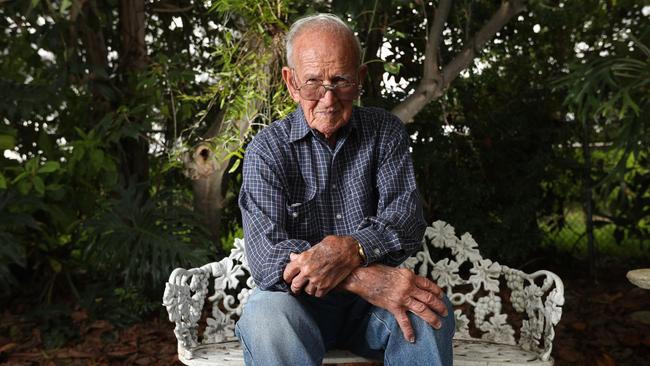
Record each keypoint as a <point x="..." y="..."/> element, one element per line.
<point x="602" y="325"/>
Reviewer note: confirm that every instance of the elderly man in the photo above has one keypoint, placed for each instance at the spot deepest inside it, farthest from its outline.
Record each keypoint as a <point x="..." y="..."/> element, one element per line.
<point x="329" y="207"/>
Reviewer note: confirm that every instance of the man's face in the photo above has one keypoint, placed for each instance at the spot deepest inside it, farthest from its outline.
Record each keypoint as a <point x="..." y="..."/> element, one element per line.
<point x="323" y="57"/>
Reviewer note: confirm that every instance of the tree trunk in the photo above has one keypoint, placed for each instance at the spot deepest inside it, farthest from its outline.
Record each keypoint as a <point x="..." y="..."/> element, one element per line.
<point x="96" y="52"/>
<point x="372" y="83"/>
<point x="133" y="58"/>
<point x="207" y="167"/>
<point x="207" y="172"/>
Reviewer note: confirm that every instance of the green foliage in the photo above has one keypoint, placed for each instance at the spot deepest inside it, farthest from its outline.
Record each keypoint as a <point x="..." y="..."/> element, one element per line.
<point x="609" y="96"/>
<point x="12" y="252"/>
<point x="494" y="156"/>
<point x="247" y="90"/>
<point x="55" y="324"/>
<point x="32" y="176"/>
<point x="71" y="235"/>
<point x="485" y="179"/>
<point x="569" y="240"/>
<point x="140" y="241"/>
<point x="227" y="241"/>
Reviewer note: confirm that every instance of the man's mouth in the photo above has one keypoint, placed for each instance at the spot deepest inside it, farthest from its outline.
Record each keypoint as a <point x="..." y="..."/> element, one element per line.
<point x="327" y="111"/>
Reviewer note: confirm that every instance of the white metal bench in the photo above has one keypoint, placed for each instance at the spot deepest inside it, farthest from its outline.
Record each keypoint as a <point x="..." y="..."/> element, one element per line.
<point x="503" y="315"/>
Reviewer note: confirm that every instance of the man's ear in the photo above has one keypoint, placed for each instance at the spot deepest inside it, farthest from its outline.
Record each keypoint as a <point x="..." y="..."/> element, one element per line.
<point x="288" y="81"/>
<point x="363" y="70"/>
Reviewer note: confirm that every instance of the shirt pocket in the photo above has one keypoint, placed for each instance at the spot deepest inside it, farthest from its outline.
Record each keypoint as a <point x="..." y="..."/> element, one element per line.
<point x="302" y="221"/>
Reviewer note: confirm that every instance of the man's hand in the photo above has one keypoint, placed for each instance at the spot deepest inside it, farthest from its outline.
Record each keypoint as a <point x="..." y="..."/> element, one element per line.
<point x="398" y="290"/>
<point x="323" y="267"/>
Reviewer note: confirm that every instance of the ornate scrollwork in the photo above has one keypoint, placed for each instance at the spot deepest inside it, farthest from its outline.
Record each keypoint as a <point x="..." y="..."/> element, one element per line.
<point x="541" y="305"/>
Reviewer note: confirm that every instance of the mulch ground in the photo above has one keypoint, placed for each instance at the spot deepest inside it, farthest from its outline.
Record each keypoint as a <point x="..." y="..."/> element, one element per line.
<point x="599" y="327"/>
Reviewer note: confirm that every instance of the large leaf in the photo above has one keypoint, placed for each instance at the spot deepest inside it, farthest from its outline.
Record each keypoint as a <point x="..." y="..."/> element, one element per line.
<point x="141" y="241"/>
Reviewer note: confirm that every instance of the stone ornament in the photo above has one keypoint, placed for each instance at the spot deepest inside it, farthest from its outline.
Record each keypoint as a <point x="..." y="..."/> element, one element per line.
<point x="639" y="277"/>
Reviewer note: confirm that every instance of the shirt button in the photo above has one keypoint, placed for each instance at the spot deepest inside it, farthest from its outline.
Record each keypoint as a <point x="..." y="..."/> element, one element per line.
<point x="339" y="216"/>
<point x="295" y="214"/>
<point x="377" y="251"/>
<point x="333" y="187"/>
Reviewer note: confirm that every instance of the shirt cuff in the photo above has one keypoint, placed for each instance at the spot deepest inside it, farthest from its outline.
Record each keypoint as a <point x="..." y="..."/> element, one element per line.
<point x="272" y="279"/>
<point x="371" y="242"/>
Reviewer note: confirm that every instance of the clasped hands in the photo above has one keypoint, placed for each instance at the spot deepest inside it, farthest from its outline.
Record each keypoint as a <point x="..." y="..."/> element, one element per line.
<point x="335" y="263"/>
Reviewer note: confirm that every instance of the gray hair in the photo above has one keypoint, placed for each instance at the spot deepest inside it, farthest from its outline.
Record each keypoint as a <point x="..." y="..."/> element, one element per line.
<point x="322" y="21"/>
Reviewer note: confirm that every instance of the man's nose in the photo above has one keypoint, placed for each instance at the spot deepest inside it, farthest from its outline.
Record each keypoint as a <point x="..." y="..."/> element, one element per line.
<point x="329" y="97"/>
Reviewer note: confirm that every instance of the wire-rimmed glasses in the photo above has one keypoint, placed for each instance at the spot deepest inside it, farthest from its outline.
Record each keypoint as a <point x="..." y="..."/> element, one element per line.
<point x="315" y="89"/>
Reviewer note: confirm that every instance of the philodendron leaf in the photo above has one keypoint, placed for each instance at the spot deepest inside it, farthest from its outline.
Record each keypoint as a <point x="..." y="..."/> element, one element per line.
<point x="49" y="167"/>
<point x="39" y="185"/>
<point x="392" y="67"/>
<point x="7" y="142"/>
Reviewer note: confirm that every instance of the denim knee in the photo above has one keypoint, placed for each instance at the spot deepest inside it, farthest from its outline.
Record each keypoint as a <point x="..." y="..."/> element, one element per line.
<point x="432" y="346"/>
<point x="275" y="327"/>
<point x="421" y="327"/>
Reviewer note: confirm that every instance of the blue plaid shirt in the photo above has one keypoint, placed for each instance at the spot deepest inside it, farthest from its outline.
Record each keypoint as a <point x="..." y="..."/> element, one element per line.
<point x="298" y="189"/>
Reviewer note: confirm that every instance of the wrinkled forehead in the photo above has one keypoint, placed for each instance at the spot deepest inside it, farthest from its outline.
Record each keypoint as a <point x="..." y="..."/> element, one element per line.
<point x="314" y="47"/>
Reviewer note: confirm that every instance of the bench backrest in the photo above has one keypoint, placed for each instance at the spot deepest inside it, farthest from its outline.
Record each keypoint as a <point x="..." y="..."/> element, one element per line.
<point x="484" y="294"/>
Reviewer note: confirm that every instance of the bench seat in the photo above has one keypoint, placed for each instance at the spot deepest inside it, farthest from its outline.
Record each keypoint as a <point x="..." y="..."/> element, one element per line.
<point x="466" y="353"/>
<point x="503" y="315"/>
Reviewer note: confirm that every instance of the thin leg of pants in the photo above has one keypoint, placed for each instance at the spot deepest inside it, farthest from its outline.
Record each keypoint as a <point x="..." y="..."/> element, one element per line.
<point x="281" y="329"/>
<point x="275" y="329"/>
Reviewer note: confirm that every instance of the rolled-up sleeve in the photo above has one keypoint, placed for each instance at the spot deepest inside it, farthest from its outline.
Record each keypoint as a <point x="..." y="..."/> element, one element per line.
<point x="396" y="231"/>
<point x="262" y="201"/>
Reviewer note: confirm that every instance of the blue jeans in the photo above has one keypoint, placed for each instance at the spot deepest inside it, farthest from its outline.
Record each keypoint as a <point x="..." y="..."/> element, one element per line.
<point x="277" y="328"/>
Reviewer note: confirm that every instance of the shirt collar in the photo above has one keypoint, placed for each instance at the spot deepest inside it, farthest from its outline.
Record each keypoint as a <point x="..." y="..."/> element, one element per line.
<point x="300" y="128"/>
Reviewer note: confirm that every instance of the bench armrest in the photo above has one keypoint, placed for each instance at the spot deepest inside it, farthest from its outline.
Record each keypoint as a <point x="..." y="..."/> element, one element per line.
<point x="184" y="296"/>
<point x="187" y="290"/>
<point x="540" y="295"/>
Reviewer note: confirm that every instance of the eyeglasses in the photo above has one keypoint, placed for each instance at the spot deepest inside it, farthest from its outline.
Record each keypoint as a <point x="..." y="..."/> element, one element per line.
<point x="315" y="89"/>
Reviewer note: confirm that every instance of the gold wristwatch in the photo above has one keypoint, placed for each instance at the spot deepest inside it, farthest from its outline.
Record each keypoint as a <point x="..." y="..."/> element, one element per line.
<point x="361" y="253"/>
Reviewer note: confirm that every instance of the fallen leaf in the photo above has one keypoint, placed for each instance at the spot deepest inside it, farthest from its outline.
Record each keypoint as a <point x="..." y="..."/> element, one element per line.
<point x="28" y="355"/>
<point x="102" y="324"/>
<point x="73" y="353"/>
<point x="7" y="347"/>
<point x="122" y="352"/>
<point x="569" y="354"/>
<point x="605" y="360"/>
<point x="630" y="339"/>
<point x="79" y="315"/>
<point x="579" y="326"/>
<point x="605" y="298"/>
<point x="646" y="341"/>
<point x="641" y="316"/>
<point x="143" y="361"/>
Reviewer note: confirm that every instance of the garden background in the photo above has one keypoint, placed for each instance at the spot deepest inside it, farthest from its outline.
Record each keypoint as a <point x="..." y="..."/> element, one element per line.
<point x="123" y="124"/>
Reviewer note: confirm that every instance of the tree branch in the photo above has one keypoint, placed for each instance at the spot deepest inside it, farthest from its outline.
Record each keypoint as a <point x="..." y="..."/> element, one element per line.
<point x="168" y="8"/>
<point x="434" y="83"/>
<point x="431" y="67"/>
<point x="507" y="11"/>
<point x="215" y="126"/>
